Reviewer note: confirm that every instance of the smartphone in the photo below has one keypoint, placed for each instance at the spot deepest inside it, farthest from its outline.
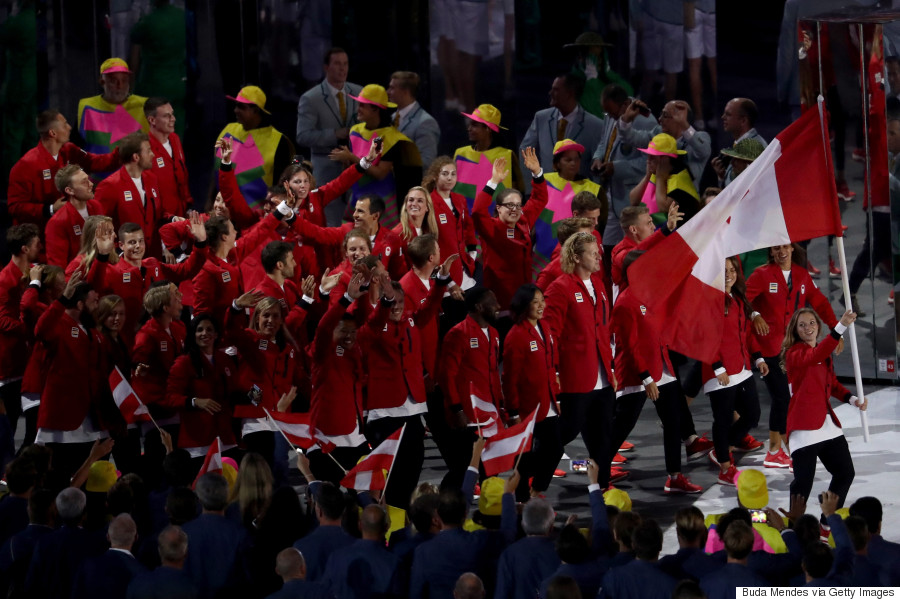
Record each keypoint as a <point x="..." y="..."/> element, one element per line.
<point x="644" y="110"/>
<point x="254" y="395"/>
<point x="726" y="160"/>
<point x="578" y="465"/>
<point x="758" y="516"/>
<point x="379" y="142"/>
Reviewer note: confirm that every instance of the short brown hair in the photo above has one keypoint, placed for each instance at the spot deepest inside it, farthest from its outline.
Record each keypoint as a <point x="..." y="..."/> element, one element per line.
<point x="586" y="201"/>
<point x="738" y="539"/>
<point x="407" y="80"/>
<point x="19" y="236"/>
<point x="421" y="248"/>
<point x="131" y="145"/>
<point x="689" y="524"/>
<point x="569" y="226"/>
<point x="64" y="176"/>
<point x="630" y="215"/>
<point x="45" y="121"/>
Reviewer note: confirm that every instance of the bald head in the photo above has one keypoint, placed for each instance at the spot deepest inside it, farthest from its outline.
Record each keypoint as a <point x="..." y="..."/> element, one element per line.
<point x="290" y="565"/>
<point x="373" y="523"/>
<point x="122" y="532"/>
<point x="468" y="586"/>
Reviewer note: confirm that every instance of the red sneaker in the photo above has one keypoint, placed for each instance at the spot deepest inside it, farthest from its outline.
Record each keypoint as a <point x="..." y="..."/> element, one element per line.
<point x="617" y="474"/>
<point x="727" y="477"/>
<point x="813" y="271"/>
<point x="844" y="192"/>
<point x="681" y="484"/>
<point x="626" y="446"/>
<point x="891" y="298"/>
<point x="779" y="459"/>
<point x="619" y="459"/>
<point x="559" y="473"/>
<point x="833" y="271"/>
<point x="748" y="443"/>
<point x="858" y="155"/>
<point x="714" y="460"/>
<point x="698" y="448"/>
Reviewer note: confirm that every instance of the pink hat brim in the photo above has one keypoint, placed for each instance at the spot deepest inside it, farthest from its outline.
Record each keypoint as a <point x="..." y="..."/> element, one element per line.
<point x="491" y="126"/>
<point x="115" y="69"/>
<point x="362" y="100"/>
<point x="655" y="152"/>
<point x="577" y="147"/>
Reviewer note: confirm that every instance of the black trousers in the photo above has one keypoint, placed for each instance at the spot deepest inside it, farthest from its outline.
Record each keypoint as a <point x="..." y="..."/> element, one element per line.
<point x="777" y="384"/>
<point x="155" y="452"/>
<point x="878" y="242"/>
<point x="263" y="443"/>
<point x="590" y="414"/>
<point x="324" y="467"/>
<point x="741" y="398"/>
<point x="835" y="456"/>
<point x="410" y="455"/>
<point x="668" y="408"/>
<point x="454" y="445"/>
<point x="691" y="384"/>
<point x="541" y="461"/>
<point x="11" y="394"/>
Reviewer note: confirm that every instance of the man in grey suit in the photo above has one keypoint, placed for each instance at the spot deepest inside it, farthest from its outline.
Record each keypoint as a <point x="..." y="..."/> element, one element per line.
<point x="411" y="119"/>
<point x="737" y="120"/>
<point x="565" y="119"/>
<point x="617" y="166"/>
<point x="325" y="114"/>
<point x="675" y="120"/>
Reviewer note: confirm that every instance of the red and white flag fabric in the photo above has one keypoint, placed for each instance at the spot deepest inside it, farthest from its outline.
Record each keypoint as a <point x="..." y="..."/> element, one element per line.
<point x="295" y="427"/>
<point x="369" y="474"/>
<point x="486" y="414"/>
<point x="786" y="195"/>
<point x="212" y="463"/>
<point x="502" y="450"/>
<point x="133" y="410"/>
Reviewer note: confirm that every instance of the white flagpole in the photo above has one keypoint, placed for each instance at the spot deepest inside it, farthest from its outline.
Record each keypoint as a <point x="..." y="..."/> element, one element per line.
<point x="394" y="461"/>
<point x="274" y="424"/>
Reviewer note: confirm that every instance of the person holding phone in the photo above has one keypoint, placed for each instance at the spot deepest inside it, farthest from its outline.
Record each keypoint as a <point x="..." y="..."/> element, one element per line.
<point x="814" y="431"/>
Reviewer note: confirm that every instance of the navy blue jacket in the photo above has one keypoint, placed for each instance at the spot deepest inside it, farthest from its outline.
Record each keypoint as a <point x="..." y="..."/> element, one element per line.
<point x="162" y="583"/>
<point x="361" y="570"/>
<point x="318" y="545"/>
<point x="13" y="516"/>
<point x="218" y="550"/>
<point x="106" y="576"/>
<point x="885" y="555"/>
<point x="722" y="583"/>
<point x="688" y="562"/>
<point x="302" y="589"/>
<point x="588" y="576"/>
<point x="15" y="558"/>
<point x="638" y="580"/>
<point x="56" y="559"/>
<point x="523" y="566"/>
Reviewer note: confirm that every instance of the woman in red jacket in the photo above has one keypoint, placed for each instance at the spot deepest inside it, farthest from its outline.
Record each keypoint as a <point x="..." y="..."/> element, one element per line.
<point x="416" y="217"/>
<point x="813" y="429"/>
<point x="200" y="386"/>
<point x="729" y="380"/>
<point x="577" y="314"/>
<point x="776" y="291"/>
<point x="530" y="383"/>
<point x="456" y="229"/>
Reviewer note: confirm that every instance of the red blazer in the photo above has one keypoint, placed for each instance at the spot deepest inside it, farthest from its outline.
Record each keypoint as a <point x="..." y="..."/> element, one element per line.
<point x="241" y="214"/>
<point x="468" y="358"/>
<point x="198" y="427"/>
<point x="304" y="255"/>
<point x="337" y="378"/>
<point x="172" y="176"/>
<point x="121" y="201"/>
<point x="158" y="349"/>
<point x="32" y="189"/>
<point x="554" y="270"/>
<point x="582" y="328"/>
<point x="456" y="232"/>
<point x="388" y="245"/>
<point x="13" y="332"/>
<point x="72" y="378"/>
<point x="62" y="236"/>
<point x="35" y="370"/>
<point x="810" y="372"/>
<point x="769" y="295"/>
<point x="393" y="351"/>
<point x="415" y="296"/>
<point x="737" y="347"/>
<point x="529" y="370"/>
<point x="622" y="248"/>
<point x="295" y="309"/>
<point x="313" y="209"/>
<point x="508" y="253"/>
<point x="639" y="351"/>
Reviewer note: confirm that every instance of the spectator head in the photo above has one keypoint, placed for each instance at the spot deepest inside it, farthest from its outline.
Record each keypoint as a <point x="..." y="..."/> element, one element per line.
<point x="579" y="249"/>
<point x="569" y="226"/>
<point x="563" y="587"/>
<point x="41" y="505"/>
<point x="336" y="65"/>
<point x="122" y="532"/>
<point x="739" y="117"/>
<point x="588" y="205"/>
<point x="182" y="506"/>
<point x="424" y="249"/>
<point x="21" y="476"/>
<point x="24" y="240"/>
<point x="738" y="540"/>
<point x="537" y="517"/>
<point x="70" y="504"/>
<point x="329" y="502"/>
<point x="441" y="175"/>
<point x="212" y="491"/>
<point x="403" y="88"/>
<point x="120" y="499"/>
<point x="571" y="546"/>
<point x="51" y="124"/>
<point x="290" y="565"/>
<point x="173" y="546"/>
<point x="869" y="509"/>
<point x="509" y="206"/>
<point x="374" y="523"/>
<point x="565" y="92"/>
<point x="859" y="533"/>
<point x="115" y="78"/>
<point x="647" y="540"/>
<point x="614" y="99"/>
<point x="417" y="202"/>
<point x="892" y="64"/>
<point x="690" y="527"/>
<point x="708" y="194"/>
<point x="177" y="468"/>
<point x="468" y="586"/>
<point x="688" y="589"/>
<point x="279" y="255"/>
<point x="817" y="560"/>
<point x="807" y="529"/>
<point x="423" y="513"/>
<point x="132" y="241"/>
<point x="220" y="233"/>
<point x="452" y="507"/>
<point x="160" y="115"/>
<point x="134" y="148"/>
<point x="636" y="222"/>
<point x="626" y="523"/>
<point x="40" y="456"/>
<point x="356" y="245"/>
<point x="74" y="183"/>
<point x="527" y="302"/>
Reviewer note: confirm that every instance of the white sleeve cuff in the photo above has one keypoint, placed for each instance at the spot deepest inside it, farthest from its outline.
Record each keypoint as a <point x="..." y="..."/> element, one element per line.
<point x="854" y="401"/>
<point x="839" y="328"/>
<point x="538" y="175"/>
<point x="754" y="315"/>
<point x="322" y="291"/>
<point x="347" y="297"/>
<point x="624" y="127"/>
<point x="759" y="361"/>
<point x="307" y="299"/>
<point x="648" y="381"/>
<point x="35" y="282"/>
<point x="234" y="305"/>
<point x="473" y="469"/>
<point x="593" y="487"/>
<point x="492" y="185"/>
<point x="719" y="371"/>
<point x="688" y="133"/>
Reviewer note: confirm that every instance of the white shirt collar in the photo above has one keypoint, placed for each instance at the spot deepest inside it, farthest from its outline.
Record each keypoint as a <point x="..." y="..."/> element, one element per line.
<point x="404" y="112"/>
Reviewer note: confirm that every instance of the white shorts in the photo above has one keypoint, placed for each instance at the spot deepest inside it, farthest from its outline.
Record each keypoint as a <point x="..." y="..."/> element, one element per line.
<point x="701" y="40"/>
<point x="663" y="46"/>
<point x="443" y="17"/>
<point x="471" y="27"/>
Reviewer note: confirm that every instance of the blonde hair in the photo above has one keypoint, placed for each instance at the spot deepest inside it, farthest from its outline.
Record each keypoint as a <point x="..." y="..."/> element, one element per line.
<point x="574" y="246"/>
<point x="429" y="181"/>
<point x="790" y="335"/>
<point x="253" y="488"/>
<point x="157" y="298"/>
<point x="88" y="251"/>
<point x="429" y="223"/>
<point x="359" y="234"/>
<point x="105" y="307"/>
<point x="267" y="303"/>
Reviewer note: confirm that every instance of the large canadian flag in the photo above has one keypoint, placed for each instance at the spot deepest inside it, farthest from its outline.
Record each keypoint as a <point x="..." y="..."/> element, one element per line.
<point x="369" y="474"/>
<point x="295" y="427"/>
<point x="786" y="195"/>
<point x="502" y="450"/>
<point x="133" y="410"/>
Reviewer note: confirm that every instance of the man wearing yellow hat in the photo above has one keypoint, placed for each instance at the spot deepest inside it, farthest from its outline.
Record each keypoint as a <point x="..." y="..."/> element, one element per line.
<point x="260" y="151"/>
<point x="105" y="119"/>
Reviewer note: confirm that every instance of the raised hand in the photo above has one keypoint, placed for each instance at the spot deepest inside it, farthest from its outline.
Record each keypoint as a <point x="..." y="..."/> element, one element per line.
<point x="34" y="274"/>
<point x="198" y="230"/>
<point x="72" y="283"/>
<point x="353" y="289"/>
<point x="674" y="216"/>
<point x="445" y="267"/>
<point x="499" y="171"/>
<point x="224" y="144"/>
<point x="308" y="286"/>
<point x="286" y="400"/>
<point x="329" y="281"/>
<point x="848" y="318"/>
<point x="249" y="299"/>
<point x="529" y="155"/>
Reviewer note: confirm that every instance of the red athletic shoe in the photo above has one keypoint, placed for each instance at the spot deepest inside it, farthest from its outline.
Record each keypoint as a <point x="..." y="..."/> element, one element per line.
<point x="891" y="298"/>
<point x="779" y="459"/>
<point x="833" y="271"/>
<point x="619" y="459"/>
<point x="626" y="446"/>
<point x="748" y="443"/>
<point x="698" y="448"/>
<point x="714" y="460"/>
<point x="617" y="474"/>
<point x="813" y="271"/>
<point x="858" y="155"/>
<point x="844" y="192"/>
<point x="559" y="473"/>
<point x="727" y="477"/>
<point x="681" y="484"/>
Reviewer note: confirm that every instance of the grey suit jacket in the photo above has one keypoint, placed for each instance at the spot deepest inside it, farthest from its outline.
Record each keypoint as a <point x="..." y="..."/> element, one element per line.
<point x="587" y="130"/>
<point x="629" y="166"/>
<point x="698" y="146"/>
<point x="318" y="115"/>
<point x="425" y="132"/>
